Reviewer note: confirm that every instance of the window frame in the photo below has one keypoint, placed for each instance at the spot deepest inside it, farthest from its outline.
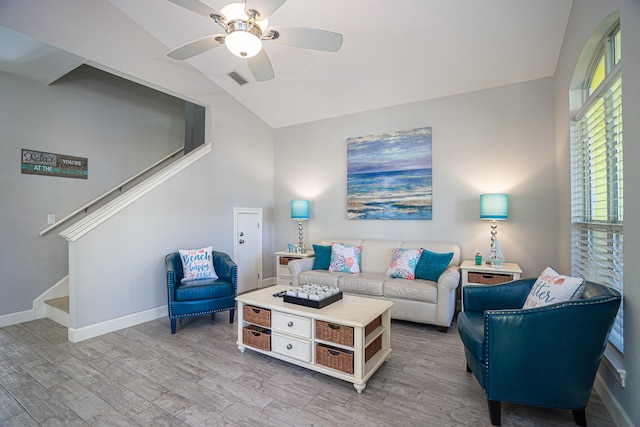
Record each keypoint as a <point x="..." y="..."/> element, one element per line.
<point x="586" y="226"/>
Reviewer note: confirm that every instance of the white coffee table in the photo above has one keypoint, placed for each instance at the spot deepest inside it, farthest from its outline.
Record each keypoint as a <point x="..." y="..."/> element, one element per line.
<point x="294" y="333"/>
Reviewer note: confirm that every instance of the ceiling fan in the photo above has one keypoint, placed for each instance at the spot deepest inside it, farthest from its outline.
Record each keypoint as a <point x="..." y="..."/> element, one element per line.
<point x="245" y="27"/>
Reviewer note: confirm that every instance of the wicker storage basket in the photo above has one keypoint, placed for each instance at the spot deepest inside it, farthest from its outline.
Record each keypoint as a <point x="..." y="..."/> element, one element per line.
<point x="373" y="325"/>
<point x="489" y="278"/>
<point x="373" y="348"/>
<point x="255" y="336"/>
<point x="333" y="332"/>
<point x="335" y="358"/>
<point x="257" y="315"/>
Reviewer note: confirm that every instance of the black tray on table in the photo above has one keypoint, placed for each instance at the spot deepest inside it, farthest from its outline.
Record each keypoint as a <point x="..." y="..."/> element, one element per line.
<point x="312" y="303"/>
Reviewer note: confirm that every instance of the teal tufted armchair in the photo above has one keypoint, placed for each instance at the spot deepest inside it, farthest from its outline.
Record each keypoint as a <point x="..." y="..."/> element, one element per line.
<point x="546" y="356"/>
<point x="201" y="297"/>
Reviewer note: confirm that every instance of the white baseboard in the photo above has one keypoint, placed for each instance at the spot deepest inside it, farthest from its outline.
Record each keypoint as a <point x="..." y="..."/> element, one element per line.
<point x="39" y="311"/>
<point x="86" y="332"/>
<point x="269" y="281"/>
<point x="60" y="289"/>
<point x="15" y="318"/>
<point x="617" y="412"/>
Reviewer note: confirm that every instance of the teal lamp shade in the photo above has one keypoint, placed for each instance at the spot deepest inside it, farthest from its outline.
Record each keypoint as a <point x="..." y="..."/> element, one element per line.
<point x="494" y="206"/>
<point x="300" y="209"/>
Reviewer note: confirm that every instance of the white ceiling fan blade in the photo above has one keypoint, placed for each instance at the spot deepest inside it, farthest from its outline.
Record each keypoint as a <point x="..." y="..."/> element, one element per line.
<point x="308" y="38"/>
<point x="263" y="7"/>
<point x="197" y="47"/>
<point x="260" y="66"/>
<point x="196" y="6"/>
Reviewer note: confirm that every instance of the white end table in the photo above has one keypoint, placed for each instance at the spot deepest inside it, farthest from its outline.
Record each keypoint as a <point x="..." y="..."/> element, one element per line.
<point x="486" y="274"/>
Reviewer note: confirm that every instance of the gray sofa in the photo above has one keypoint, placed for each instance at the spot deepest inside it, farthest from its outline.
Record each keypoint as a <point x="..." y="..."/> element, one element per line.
<point x="422" y="301"/>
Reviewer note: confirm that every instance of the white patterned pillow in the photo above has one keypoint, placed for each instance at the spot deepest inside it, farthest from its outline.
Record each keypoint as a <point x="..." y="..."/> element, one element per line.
<point x="552" y="287"/>
<point x="404" y="262"/>
<point x="345" y="259"/>
<point x="197" y="264"/>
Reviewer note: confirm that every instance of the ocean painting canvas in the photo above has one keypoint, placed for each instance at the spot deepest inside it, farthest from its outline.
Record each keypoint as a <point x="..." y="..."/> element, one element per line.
<point x="389" y="175"/>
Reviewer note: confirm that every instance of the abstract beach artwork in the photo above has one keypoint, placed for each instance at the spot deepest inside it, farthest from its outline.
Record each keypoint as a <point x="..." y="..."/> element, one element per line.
<point x="389" y="175"/>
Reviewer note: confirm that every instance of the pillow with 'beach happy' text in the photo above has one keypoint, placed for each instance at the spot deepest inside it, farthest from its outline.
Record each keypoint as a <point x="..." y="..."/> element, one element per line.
<point x="197" y="264"/>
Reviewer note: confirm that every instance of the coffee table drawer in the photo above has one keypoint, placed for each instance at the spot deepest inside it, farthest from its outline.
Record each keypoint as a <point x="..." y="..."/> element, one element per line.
<point x="290" y="324"/>
<point x="292" y="347"/>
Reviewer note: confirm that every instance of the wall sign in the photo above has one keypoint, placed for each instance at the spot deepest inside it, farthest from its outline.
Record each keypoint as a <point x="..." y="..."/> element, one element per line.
<point x="41" y="163"/>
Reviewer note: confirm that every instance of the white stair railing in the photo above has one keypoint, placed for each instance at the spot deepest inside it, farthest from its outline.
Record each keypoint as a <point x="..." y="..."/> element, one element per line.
<point x="86" y="206"/>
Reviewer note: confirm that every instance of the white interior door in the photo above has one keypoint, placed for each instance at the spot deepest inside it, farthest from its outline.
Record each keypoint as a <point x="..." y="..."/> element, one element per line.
<point x="248" y="247"/>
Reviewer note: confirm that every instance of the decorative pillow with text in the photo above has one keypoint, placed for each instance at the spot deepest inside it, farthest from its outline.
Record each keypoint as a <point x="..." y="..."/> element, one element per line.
<point x="403" y="263"/>
<point x="197" y="264"/>
<point x="345" y="259"/>
<point x="551" y="288"/>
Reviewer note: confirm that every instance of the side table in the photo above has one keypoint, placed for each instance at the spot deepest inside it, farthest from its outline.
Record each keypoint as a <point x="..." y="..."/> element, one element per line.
<point x="486" y="274"/>
<point x="283" y="277"/>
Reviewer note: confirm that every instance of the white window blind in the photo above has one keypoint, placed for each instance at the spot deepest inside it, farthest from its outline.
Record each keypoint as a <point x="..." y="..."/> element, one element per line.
<point x="597" y="191"/>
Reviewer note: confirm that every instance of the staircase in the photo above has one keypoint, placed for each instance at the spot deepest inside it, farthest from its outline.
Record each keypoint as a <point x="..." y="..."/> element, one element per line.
<point x="57" y="309"/>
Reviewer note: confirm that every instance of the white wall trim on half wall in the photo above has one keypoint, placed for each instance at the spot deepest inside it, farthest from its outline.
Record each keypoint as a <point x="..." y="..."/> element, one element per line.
<point x="15" y="318"/>
<point x="91" y="331"/>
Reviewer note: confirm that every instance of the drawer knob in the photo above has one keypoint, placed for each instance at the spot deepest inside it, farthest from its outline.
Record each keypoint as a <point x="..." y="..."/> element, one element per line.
<point x="290" y="324"/>
<point x="289" y="346"/>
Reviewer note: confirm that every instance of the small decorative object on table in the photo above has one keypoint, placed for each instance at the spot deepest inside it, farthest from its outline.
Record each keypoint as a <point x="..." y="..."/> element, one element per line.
<point x="496" y="258"/>
<point x="315" y="296"/>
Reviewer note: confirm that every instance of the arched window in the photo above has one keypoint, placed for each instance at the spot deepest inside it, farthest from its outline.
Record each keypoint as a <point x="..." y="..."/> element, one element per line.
<point x="596" y="165"/>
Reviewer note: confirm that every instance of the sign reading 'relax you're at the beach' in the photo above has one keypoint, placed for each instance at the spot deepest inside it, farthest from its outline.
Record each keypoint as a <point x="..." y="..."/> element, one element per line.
<point x="41" y="163"/>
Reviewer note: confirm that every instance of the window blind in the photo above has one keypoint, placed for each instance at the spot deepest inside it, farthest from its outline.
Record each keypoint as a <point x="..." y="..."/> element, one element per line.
<point x="597" y="192"/>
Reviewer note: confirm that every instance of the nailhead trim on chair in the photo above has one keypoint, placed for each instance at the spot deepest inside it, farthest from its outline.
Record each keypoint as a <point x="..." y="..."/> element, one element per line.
<point x="171" y="279"/>
<point x="557" y="306"/>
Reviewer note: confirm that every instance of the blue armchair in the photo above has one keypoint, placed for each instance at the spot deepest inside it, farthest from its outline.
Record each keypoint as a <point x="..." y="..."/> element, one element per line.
<point x="201" y="297"/>
<point x="546" y="356"/>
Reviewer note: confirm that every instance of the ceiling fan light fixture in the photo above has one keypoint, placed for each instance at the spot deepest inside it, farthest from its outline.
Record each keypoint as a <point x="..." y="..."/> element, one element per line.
<point x="243" y="32"/>
<point x="243" y="44"/>
<point x="236" y="12"/>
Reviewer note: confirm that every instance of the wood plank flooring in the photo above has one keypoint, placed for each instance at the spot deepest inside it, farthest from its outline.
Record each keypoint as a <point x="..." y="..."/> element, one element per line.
<point x="144" y="376"/>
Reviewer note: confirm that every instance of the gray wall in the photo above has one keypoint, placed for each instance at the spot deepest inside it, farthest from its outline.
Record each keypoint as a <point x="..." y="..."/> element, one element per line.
<point x="586" y="16"/>
<point x="119" y="131"/>
<point x="237" y="173"/>
<point x="496" y="140"/>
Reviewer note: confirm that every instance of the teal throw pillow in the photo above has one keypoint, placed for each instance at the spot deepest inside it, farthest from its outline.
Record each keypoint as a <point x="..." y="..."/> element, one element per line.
<point x="322" y="257"/>
<point x="432" y="265"/>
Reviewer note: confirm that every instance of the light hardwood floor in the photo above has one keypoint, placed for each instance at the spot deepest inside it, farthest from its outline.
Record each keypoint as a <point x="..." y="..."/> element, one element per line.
<point x="143" y="375"/>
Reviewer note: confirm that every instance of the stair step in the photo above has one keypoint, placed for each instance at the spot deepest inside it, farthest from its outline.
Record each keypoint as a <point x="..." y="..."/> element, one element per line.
<point x="61" y="303"/>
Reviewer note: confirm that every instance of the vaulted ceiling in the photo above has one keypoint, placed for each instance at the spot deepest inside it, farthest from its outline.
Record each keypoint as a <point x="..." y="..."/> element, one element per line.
<point x="394" y="52"/>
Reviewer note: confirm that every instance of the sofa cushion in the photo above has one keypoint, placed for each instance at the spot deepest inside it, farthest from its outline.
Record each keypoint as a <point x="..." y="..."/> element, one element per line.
<point x="417" y="290"/>
<point x="345" y="259"/>
<point x="376" y="255"/>
<point x="322" y="257"/>
<point x="551" y="288"/>
<point x="197" y="264"/>
<point x="471" y="328"/>
<point x="363" y="283"/>
<point x="195" y="290"/>
<point x="403" y="263"/>
<point x="319" y="277"/>
<point x="432" y="265"/>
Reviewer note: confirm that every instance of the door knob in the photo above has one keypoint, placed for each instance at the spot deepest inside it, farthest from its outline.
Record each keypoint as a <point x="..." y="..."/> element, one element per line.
<point x="241" y="241"/>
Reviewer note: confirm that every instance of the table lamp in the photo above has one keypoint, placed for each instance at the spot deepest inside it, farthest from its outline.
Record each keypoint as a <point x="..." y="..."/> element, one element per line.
<point x="300" y="212"/>
<point x="494" y="207"/>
